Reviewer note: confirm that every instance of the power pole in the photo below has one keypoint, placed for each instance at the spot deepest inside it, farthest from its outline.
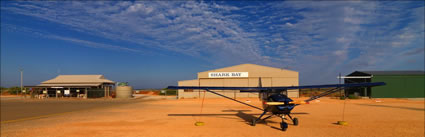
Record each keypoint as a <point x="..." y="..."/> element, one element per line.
<point x="339" y="78"/>
<point x="22" y="77"/>
<point x="340" y="92"/>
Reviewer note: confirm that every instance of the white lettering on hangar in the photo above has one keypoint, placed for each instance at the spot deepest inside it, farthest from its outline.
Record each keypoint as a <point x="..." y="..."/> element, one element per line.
<point x="227" y="74"/>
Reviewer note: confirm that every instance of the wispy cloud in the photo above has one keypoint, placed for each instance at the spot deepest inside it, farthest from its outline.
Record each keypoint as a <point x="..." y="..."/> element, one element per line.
<point x="86" y="43"/>
<point x="330" y="37"/>
<point x="189" y="28"/>
<point x="414" y="52"/>
<point x="312" y="37"/>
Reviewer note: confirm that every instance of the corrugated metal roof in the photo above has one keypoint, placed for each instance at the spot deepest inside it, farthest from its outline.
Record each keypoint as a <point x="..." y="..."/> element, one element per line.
<point x="78" y="79"/>
<point x="254" y="65"/>
<point x="69" y="85"/>
<point x="408" y="72"/>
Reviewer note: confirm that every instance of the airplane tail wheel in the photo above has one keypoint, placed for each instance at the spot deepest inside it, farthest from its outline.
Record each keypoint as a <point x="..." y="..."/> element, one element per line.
<point x="295" y="121"/>
<point x="284" y="126"/>
<point x="253" y="122"/>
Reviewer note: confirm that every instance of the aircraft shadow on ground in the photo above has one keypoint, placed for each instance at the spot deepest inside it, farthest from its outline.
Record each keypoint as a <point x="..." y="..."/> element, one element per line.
<point x="246" y="117"/>
<point x="386" y="106"/>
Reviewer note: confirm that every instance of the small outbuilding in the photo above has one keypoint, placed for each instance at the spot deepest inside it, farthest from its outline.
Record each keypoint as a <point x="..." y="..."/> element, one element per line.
<point x="244" y="75"/>
<point x="399" y="84"/>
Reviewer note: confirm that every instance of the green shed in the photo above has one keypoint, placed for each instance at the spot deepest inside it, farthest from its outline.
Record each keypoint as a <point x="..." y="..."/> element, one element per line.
<point x="399" y="84"/>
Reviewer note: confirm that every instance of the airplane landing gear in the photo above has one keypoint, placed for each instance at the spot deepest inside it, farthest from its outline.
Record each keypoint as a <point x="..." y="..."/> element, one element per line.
<point x="295" y="121"/>
<point x="283" y="126"/>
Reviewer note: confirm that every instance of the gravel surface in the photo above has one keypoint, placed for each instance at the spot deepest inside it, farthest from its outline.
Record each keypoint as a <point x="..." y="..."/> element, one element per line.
<point x="224" y="118"/>
<point x="26" y="108"/>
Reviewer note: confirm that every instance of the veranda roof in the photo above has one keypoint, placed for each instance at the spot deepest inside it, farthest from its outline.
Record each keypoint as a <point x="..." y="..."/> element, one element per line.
<point x="77" y="80"/>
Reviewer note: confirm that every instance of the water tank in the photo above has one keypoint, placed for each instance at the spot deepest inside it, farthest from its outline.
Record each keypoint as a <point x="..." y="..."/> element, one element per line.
<point x="124" y="92"/>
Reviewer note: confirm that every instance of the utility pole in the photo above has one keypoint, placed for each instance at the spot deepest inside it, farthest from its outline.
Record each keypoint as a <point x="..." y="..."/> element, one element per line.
<point x="22" y="77"/>
<point x="339" y="78"/>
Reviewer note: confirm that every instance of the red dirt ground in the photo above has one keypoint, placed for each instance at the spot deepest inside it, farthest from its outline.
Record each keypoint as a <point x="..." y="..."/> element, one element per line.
<point x="224" y="118"/>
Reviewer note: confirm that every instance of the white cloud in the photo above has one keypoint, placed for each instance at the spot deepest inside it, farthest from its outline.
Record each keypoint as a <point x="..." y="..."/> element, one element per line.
<point x="194" y="29"/>
<point x="153" y="25"/>
<point x="289" y="24"/>
<point x="332" y="37"/>
<point x="325" y="36"/>
<point x="140" y="7"/>
<point x="340" y="52"/>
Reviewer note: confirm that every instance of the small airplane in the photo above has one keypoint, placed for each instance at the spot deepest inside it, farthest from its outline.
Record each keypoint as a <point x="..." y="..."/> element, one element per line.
<point x="274" y="99"/>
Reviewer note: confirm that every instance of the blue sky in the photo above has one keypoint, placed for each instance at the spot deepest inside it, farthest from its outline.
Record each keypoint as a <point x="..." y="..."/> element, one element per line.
<point x="155" y="44"/>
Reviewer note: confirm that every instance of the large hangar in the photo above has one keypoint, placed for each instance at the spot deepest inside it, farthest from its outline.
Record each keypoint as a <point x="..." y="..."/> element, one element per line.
<point x="244" y="75"/>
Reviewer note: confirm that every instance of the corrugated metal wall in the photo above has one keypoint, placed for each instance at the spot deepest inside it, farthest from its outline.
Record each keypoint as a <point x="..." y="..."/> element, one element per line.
<point x="408" y="86"/>
<point x="270" y="77"/>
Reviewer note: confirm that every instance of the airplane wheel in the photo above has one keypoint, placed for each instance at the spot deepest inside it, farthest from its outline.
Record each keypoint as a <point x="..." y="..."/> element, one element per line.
<point x="253" y="122"/>
<point x="284" y="126"/>
<point x="295" y="121"/>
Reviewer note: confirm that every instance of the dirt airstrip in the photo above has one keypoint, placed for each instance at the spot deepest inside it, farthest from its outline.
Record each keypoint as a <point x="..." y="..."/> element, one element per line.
<point x="224" y="118"/>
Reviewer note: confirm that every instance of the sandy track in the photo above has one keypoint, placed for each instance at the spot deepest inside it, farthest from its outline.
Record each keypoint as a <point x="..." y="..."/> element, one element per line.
<point x="17" y="109"/>
<point x="392" y="117"/>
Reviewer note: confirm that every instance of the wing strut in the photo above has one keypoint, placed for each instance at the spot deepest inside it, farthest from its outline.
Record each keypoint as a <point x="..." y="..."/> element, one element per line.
<point x="324" y="94"/>
<point x="218" y="94"/>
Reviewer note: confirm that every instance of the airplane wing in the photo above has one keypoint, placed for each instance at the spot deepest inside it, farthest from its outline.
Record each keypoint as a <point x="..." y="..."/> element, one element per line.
<point x="335" y="88"/>
<point x="258" y="89"/>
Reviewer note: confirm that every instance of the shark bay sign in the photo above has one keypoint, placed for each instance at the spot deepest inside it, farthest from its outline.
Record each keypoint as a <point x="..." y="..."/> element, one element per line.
<point x="227" y="74"/>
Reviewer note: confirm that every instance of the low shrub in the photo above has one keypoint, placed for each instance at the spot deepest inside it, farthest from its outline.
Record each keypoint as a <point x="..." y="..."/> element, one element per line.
<point x="14" y="90"/>
<point x="169" y="92"/>
<point x="353" y="97"/>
